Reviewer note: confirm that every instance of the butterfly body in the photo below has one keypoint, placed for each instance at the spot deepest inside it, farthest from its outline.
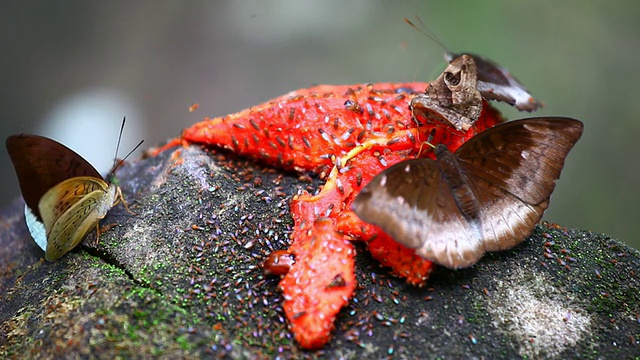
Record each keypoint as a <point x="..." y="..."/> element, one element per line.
<point x="455" y="178"/>
<point x="487" y="196"/>
<point x="65" y="197"/>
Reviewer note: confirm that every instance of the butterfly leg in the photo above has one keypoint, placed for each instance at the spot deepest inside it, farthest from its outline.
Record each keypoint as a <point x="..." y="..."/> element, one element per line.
<point x="120" y="198"/>
<point x="97" y="232"/>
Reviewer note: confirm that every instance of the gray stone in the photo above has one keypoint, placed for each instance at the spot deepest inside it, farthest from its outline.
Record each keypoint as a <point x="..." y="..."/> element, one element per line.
<point x="182" y="279"/>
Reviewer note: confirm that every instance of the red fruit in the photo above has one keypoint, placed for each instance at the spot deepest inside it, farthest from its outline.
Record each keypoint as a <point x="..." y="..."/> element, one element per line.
<point x="315" y="290"/>
<point x="350" y="133"/>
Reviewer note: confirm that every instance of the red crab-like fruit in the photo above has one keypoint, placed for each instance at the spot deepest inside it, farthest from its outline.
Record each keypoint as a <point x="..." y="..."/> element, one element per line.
<point x="346" y="134"/>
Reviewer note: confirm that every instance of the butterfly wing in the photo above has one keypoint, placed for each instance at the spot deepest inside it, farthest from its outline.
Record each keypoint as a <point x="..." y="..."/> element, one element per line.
<point x="41" y="163"/>
<point x="496" y="83"/>
<point x="36" y="228"/>
<point x="522" y="157"/>
<point x="63" y="196"/>
<point x="70" y="210"/>
<point x="506" y="220"/>
<point x="411" y="202"/>
<point x="512" y="169"/>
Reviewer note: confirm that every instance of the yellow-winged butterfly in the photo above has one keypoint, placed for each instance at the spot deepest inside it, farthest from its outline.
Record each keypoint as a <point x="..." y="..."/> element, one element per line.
<point x="65" y="197"/>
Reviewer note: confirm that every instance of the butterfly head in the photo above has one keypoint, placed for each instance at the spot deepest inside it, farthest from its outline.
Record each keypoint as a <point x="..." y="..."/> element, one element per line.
<point x="112" y="179"/>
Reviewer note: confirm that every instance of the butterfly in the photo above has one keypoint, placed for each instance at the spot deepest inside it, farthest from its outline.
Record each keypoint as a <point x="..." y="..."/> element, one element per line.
<point x="65" y="197"/>
<point x="455" y="97"/>
<point x="485" y="197"/>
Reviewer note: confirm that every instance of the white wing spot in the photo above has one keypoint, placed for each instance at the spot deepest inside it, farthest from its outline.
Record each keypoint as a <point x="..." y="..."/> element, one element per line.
<point x="383" y="180"/>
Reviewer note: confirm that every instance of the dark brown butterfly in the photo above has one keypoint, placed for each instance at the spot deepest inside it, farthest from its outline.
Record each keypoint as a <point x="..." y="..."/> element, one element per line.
<point x="486" y="197"/>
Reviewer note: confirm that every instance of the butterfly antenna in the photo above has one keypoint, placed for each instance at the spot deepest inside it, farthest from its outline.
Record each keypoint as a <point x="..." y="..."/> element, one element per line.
<point x="115" y="157"/>
<point x="424" y="30"/>
<point x="116" y="163"/>
<point x="125" y="158"/>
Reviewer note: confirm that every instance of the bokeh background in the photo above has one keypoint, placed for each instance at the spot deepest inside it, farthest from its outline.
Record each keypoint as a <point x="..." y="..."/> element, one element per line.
<point x="72" y="69"/>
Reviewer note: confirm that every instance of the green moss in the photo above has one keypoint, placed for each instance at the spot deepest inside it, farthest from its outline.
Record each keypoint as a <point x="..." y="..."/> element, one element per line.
<point x="183" y="342"/>
<point x="132" y="332"/>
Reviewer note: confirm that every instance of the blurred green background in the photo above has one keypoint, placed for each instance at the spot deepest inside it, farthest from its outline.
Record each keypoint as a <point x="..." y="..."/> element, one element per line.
<point x="72" y="69"/>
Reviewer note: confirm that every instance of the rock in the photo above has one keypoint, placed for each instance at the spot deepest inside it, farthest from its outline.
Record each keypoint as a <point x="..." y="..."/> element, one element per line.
<point x="182" y="279"/>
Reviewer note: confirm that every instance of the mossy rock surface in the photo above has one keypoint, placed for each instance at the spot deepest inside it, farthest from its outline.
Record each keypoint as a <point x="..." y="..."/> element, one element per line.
<point x="182" y="279"/>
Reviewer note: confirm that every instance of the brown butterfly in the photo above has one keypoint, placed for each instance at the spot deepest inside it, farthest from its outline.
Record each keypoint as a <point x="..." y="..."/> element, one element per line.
<point x="487" y="196"/>
<point x="65" y="197"/>
<point x="453" y="98"/>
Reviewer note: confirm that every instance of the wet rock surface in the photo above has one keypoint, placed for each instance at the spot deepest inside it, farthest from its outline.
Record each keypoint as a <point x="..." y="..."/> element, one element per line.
<point x="182" y="278"/>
